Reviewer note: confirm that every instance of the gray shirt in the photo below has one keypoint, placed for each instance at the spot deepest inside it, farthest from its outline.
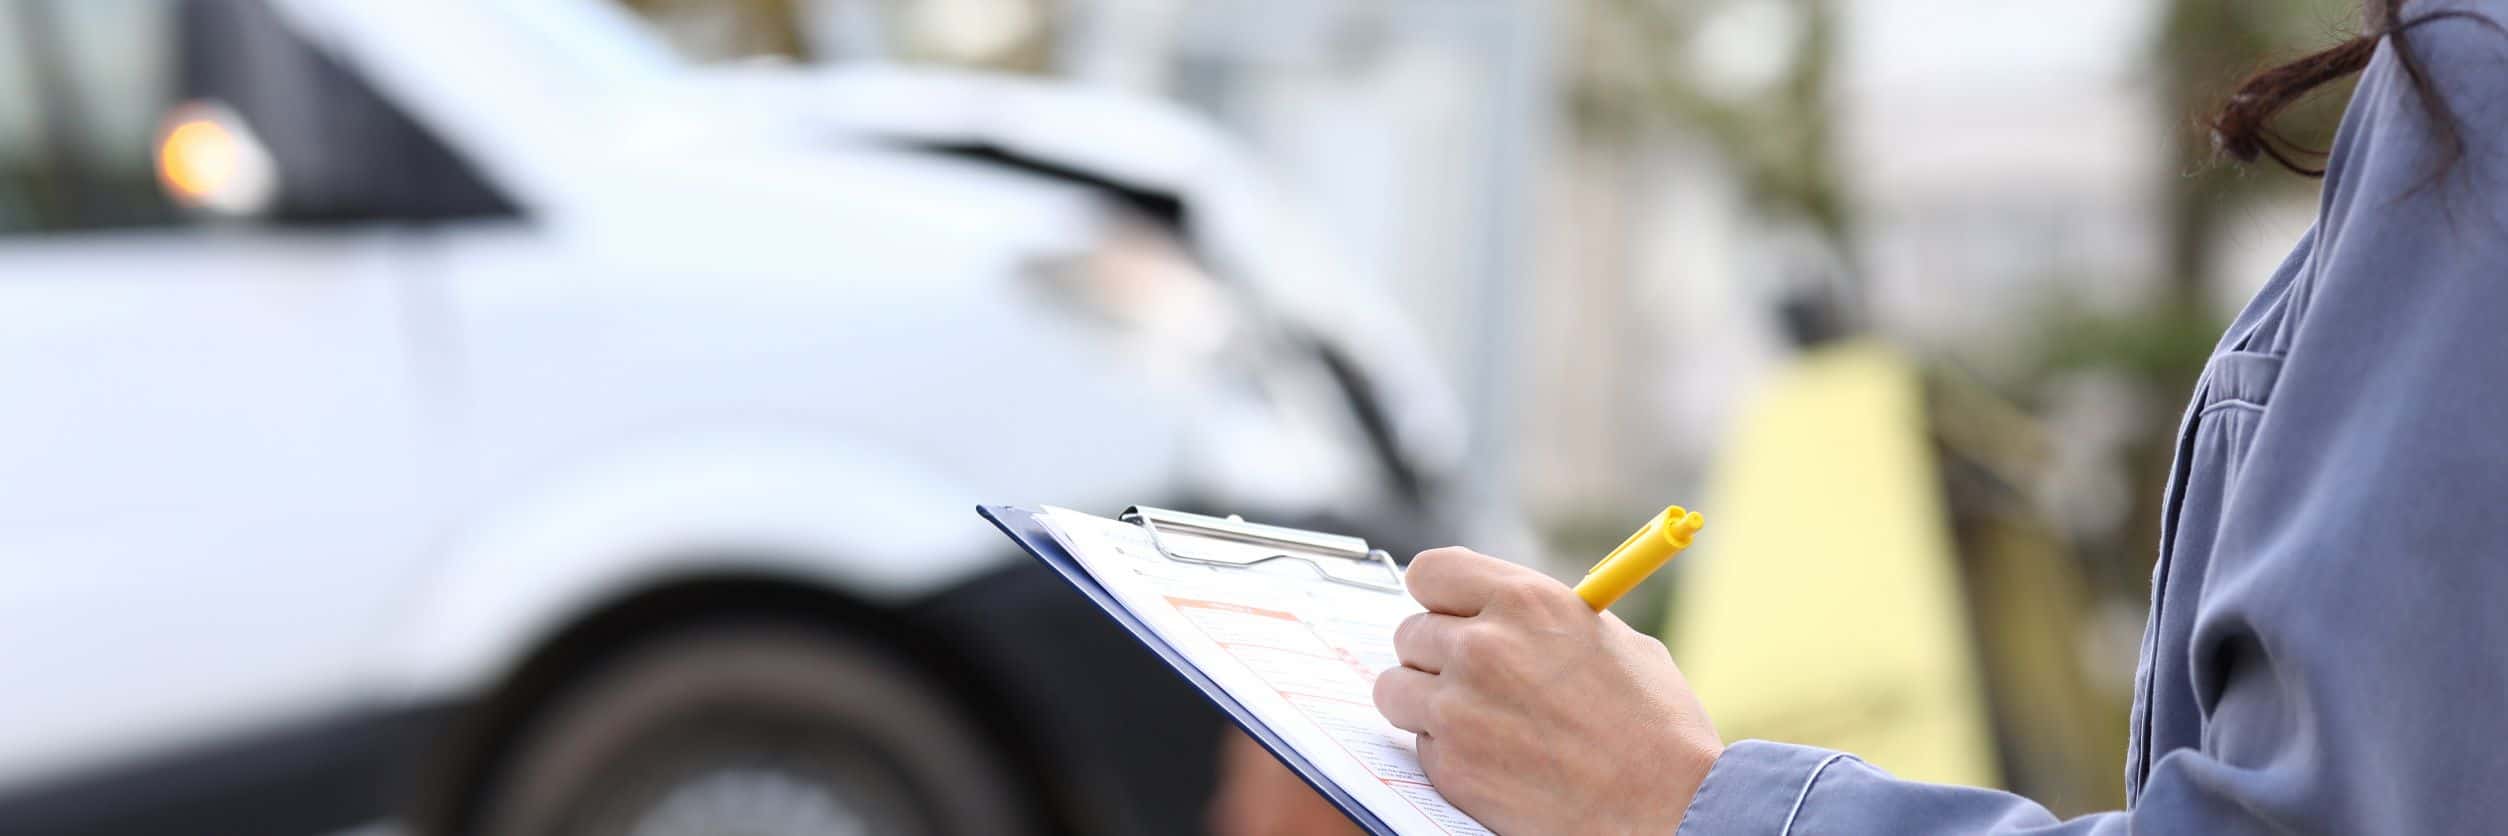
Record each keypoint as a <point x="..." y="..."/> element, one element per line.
<point x="2328" y="644"/>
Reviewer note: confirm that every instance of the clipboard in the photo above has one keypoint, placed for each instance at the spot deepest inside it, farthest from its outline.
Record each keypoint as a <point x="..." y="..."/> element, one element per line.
<point x="1231" y="543"/>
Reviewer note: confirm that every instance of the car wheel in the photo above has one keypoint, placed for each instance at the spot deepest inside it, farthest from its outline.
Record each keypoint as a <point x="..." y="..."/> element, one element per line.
<point x="759" y="730"/>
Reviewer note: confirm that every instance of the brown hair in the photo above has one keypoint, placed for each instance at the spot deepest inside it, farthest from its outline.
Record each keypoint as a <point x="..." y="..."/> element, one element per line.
<point x="2242" y="128"/>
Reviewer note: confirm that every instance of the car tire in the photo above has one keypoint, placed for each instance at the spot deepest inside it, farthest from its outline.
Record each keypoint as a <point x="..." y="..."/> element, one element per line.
<point x="754" y="729"/>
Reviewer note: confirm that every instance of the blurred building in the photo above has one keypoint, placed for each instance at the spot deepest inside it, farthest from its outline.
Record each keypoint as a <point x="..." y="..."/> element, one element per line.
<point x="2007" y="156"/>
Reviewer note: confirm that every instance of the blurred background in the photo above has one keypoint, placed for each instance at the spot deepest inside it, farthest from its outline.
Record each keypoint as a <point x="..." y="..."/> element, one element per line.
<point x="554" y="416"/>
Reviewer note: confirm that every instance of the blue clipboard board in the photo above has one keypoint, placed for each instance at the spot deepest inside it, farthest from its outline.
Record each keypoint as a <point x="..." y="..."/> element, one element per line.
<point x="1031" y="534"/>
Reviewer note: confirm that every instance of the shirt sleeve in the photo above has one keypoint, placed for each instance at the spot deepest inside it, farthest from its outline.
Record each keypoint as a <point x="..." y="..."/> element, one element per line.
<point x="1766" y="789"/>
<point x="2350" y="645"/>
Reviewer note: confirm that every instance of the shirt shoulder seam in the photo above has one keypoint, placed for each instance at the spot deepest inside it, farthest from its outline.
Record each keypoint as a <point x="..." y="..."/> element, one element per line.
<point x="1805" y="793"/>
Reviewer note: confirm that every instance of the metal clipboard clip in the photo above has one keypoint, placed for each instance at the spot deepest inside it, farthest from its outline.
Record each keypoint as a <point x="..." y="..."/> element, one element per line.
<point x="1231" y="542"/>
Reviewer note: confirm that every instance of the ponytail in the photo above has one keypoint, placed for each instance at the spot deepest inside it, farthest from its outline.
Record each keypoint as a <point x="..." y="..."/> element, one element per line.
<point x="2242" y="128"/>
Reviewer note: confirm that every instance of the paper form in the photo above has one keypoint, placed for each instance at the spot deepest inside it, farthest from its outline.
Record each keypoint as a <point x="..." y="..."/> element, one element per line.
<point x="1300" y="654"/>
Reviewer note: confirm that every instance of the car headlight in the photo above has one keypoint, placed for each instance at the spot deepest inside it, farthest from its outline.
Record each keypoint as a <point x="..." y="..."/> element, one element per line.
<point x="1139" y="278"/>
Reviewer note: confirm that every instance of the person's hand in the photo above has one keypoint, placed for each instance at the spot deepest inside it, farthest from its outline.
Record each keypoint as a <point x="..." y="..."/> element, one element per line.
<point x="1259" y="797"/>
<point x="1537" y="715"/>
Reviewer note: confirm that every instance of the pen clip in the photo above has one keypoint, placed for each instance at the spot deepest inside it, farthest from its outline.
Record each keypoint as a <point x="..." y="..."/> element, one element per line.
<point x="1676" y="525"/>
<point x="1624" y="545"/>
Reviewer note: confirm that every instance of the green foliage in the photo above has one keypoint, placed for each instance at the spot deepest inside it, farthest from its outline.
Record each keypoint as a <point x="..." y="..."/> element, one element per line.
<point x="2161" y="344"/>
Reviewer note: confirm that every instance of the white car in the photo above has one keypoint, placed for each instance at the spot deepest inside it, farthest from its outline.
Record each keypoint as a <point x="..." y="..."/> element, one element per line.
<point x="521" y="431"/>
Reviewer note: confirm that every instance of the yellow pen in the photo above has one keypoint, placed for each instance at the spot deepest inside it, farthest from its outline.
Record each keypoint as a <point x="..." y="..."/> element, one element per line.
<point x="1638" y="556"/>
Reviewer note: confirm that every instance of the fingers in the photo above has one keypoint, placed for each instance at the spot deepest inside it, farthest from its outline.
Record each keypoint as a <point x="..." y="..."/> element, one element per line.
<point x="1458" y="581"/>
<point x="1426" y="641"/>
<point x="1431" y="756"/>
<point x="1402" y="695"/>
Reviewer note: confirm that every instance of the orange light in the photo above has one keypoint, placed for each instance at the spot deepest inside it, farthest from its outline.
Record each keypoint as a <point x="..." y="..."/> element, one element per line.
<point x="197" y="157"/>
